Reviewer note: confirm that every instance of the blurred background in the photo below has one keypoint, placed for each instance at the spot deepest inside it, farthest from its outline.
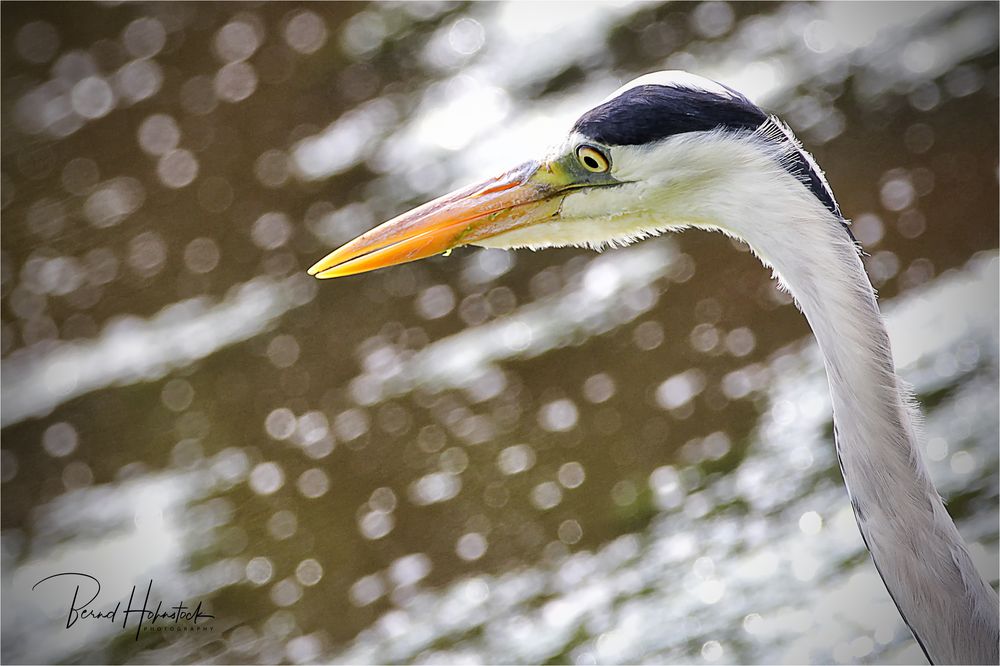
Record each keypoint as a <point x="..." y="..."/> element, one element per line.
<point x="520" y="457"/>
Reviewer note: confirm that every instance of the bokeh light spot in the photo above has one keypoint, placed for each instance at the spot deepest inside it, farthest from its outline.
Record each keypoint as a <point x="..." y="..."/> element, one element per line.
<point x="37" y="42"/>
<point x="177" y="168"/>
<point x="60" y="439"/>
<point x="305" y="32"/>
<point x="267" y="478"/>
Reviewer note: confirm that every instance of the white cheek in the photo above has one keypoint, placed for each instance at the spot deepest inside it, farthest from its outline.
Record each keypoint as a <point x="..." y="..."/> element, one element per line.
<point x="633" y="164"/>
<point x="627" y="207"/>
<point x="598" y="202"/>
<point x="591" y="218"/>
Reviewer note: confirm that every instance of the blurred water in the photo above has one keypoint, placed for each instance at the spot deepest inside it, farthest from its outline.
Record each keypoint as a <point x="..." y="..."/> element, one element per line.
<point x="744" y="567"/>
<point x="493" y="456"/>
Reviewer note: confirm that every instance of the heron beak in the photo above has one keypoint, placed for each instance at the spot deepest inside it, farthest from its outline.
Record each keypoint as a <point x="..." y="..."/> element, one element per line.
<point x="523" y="196"/>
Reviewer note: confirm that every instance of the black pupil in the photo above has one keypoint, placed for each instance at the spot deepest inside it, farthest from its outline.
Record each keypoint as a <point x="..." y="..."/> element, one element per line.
<point x="591" y="162"/>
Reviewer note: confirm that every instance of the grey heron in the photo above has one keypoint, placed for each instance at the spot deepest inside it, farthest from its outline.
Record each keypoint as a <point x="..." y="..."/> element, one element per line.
<point x="672" y="150"/>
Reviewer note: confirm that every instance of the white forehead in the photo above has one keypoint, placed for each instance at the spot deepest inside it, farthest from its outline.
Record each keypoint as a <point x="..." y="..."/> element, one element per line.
<point x="675" y="78"/>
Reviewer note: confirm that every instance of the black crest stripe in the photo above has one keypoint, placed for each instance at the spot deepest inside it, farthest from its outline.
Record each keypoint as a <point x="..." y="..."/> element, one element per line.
<point x="649" y="113"/>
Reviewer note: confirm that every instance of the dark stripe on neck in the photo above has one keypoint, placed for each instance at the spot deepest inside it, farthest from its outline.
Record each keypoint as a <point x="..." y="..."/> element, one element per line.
<point x="799" y="166"/>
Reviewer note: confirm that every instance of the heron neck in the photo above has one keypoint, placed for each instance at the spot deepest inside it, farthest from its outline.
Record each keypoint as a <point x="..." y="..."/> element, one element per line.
<point x="914" y="543"/>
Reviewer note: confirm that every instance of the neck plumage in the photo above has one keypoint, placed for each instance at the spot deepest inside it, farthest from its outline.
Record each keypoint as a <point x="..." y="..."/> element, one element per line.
<point x="914" y="543"/>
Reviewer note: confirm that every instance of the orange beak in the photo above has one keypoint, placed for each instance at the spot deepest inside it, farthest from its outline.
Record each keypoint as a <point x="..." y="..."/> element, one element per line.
<point x="523" y="196"/>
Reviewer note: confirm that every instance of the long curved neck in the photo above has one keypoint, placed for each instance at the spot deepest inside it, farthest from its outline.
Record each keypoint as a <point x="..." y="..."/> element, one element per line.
<point x="914" y="543"/>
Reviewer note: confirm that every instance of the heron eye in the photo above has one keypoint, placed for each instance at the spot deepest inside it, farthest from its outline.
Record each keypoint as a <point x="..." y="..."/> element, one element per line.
<point x="592" y="159"/>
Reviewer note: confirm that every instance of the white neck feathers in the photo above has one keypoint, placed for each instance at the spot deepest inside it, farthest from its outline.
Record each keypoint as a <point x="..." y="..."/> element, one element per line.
<point x="914" y="543"/>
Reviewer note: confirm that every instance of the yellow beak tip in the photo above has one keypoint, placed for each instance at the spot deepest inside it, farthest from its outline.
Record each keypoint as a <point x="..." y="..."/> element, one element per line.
<point x="513" y="199"/>
<point x="321" y="266"/>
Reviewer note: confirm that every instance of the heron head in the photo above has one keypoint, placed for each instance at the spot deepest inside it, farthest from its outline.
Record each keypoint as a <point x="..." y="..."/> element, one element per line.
<point x="658" y="153"/>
